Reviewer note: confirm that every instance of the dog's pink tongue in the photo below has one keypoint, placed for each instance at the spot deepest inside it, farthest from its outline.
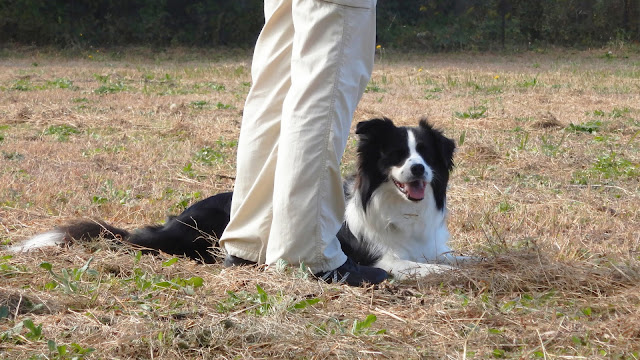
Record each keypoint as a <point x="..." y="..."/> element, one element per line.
<point x="415" y="190"/>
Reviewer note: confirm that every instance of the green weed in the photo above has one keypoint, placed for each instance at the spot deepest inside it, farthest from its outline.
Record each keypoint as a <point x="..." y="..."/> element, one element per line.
<point x="221" y="106"/>
<point x="108" y="192"/>
<point x="7" y="269"/>
<point x="64" y="352"/>
<point x="529" y="83"/>
<point x="612" y="165"/>
<point x="23" y="85"/>
<point x="61" y="84"/>
<point x="209" y="156"/>
<point x="110" y="88"/>
<point x="550" y="147"/>
<point x="61" y="131"/>
<point x="373" y="87"/>
<point x="334" y="326"/>
<point x="588" y="127"/>
<point x="185" y="201"/>
<point x="71" y="280"/>
<point x="13" y="156"/>
<point x="608" y="166"/>
<point x="15" y="334"/>
<point x="199" y="104"/>
<point x="474" y="112"/>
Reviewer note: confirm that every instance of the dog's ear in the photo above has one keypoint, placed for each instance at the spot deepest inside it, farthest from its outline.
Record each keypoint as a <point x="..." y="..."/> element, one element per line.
<point x="424" y="124"/>
<point x="445" y="145"/>
<point x="368" y="128"/>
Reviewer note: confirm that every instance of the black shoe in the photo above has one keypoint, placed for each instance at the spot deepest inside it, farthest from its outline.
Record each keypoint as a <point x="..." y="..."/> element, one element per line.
<point x="230" y="261"/>
<point x="353" y="274"/>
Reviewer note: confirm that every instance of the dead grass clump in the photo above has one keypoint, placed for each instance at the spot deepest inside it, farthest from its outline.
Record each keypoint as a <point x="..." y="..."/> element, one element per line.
<point x="547" y="121"/>
<point x="477" y="152"/>
<point x="536" y="272"/>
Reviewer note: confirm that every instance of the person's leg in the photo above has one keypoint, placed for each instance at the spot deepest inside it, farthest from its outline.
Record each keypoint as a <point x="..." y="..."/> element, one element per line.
<point x="332" y="60"/>
<point x="251" y="210"/>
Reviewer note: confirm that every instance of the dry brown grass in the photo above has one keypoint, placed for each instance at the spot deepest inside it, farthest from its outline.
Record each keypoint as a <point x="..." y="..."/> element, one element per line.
<point x="546" y="189"/>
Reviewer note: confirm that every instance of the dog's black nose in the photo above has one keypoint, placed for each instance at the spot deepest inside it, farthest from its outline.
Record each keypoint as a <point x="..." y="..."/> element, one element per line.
<point x="417" y="169"/>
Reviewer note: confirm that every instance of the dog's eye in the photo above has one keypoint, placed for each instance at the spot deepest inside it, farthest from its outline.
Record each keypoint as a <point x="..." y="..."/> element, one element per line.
<point x="393" y="155"/>
<point x="421" y="147"/>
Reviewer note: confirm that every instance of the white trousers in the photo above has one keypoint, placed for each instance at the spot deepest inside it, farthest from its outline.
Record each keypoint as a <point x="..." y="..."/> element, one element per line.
<point x="312" y="62"/>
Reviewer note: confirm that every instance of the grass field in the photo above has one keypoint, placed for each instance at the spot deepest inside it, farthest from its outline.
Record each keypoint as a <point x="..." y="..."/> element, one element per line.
<point x="546" y="188"/>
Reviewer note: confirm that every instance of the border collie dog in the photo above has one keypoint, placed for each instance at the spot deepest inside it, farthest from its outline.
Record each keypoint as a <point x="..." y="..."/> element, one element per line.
<point x="395" y="217"/>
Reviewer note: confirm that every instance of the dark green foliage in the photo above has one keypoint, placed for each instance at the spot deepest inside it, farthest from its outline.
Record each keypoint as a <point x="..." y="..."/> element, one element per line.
<point x="494" y="24"/>
<point x="421" y="24"/>
<point x="126" y="22"/>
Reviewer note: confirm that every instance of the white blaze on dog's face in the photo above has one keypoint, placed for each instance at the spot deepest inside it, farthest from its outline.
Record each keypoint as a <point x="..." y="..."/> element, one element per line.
<point x="411" y="158"/>
<point x="413" y="175"/>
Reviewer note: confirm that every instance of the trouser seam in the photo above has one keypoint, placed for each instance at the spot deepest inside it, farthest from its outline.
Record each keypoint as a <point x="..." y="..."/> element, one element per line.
<point x="320" y="242"/>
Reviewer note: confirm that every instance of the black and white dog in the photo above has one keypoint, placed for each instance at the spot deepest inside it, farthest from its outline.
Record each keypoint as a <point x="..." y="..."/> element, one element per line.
<point x="395" y="217"/>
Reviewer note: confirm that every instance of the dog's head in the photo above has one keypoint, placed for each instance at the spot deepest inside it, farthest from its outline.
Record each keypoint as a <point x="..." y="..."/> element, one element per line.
<point x="412" y="158"/>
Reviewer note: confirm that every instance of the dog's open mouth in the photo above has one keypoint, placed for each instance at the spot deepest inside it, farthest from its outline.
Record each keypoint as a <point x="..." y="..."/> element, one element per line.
<point x="414" y="190"/>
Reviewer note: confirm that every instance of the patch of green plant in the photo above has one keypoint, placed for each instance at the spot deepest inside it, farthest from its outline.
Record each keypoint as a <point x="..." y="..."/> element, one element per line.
<point x="523" y="140"/>
<point x="362" y="327"/>
<point x="71" y="352"/>
<point x="372" y="87"/>
<point x="99" y="200"/>
<point x="177" y="283"/>
<point x="617" y="112"/>
<point x="4" y="312"/>
<point x="61" y="131"/>
<point x="82" y="100"/>
<point x="452" y="82"/>
<point x="115" y="149"/>
<point x="8" y="270"/>
<point x="185" y="201"/>
<point x="504" y="206"/>
<point x="23" y="85"/>
<point x="608" y="166"/>
<point x="199" y="104"/>
<point x="239" y="71"/>
<point x="209" y="156"/>
<point x="13" y="156"/>
<point x="529" y="83"/>
<point x="210" y="85"/>
<point x="588" y="127"/>
<point x="15" y="334"/>
<point x="613" y="165"/>
<point x="550" y="147"/>
<point x="102" y="78"/>
<point x="221" y="106"/>
<point x="189" y="171"/>
<point x="108" y="192"/>
<point x="61" y="83"/>
<point x="144" y="283"/>
<point x="494" y="89"/>
<point x="110" y="88"/>
<point x="259" y="303"/>
<point x="223" y="143"/>
<point x="71" y="280"/>
<point x="334" y="326"/>
<point x="474" y="112"/>
<point x="303" y="304"/>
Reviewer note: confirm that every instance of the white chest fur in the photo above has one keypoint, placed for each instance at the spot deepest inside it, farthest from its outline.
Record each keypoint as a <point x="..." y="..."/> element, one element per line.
<point x="414" y="231"/>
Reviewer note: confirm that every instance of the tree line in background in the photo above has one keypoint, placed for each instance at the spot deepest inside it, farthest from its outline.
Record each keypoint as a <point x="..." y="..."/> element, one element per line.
<point x="440" y="25"/>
